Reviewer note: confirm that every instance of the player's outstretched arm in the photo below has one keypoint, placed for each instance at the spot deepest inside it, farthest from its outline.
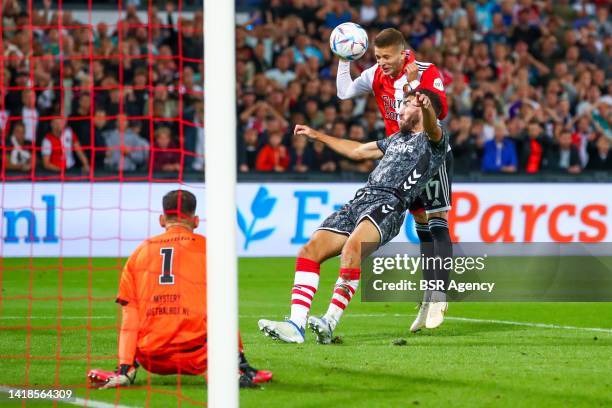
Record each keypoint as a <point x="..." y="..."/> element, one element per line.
<point x="430" y="120"/>
<point x="347" y="148"/>
<point x="348" y="88"/>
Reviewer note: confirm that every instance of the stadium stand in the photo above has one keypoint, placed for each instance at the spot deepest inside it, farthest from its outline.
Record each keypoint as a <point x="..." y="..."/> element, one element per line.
<point x="528" y="84"/>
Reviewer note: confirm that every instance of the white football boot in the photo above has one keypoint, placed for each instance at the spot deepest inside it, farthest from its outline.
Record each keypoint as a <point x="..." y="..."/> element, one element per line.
<point x="286" y="331"/>
<point x="321" y="328"/>
<point x="421" y="317"/>
<point x="435" y="316"/>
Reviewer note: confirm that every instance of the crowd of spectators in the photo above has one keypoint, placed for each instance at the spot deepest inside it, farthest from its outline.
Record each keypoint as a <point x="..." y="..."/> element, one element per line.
<point x="528" y="82"/>
<point x="116" y="99"/>
<point x="528" y="85"/>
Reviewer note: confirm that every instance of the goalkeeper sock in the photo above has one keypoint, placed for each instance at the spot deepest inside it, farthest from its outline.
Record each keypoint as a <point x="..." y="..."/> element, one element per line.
<point x="443" y="247"/>
<point x="305" y="286"/>
<point x="427" y="250"/>
<point x="345" y="288"/>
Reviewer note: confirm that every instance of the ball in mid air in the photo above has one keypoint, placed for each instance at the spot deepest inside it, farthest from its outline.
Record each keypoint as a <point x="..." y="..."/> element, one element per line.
<point x="349" y="41"/>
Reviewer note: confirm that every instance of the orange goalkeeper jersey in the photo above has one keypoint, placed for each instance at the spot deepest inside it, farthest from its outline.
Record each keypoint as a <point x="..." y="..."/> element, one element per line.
<point x="165" y="281"/>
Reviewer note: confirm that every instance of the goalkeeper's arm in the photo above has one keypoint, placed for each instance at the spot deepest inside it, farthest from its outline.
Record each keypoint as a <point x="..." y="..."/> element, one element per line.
<point x="128" y="336"/>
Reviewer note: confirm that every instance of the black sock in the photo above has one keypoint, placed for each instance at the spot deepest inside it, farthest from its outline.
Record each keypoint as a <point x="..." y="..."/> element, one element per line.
<point x="242" y="361"/>
<point x="443" y="246"/>
<point x="427" y="250"/>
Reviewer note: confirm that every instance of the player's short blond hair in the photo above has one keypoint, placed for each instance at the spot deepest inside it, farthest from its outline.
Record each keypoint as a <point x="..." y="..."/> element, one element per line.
<point x="390" y="37"/>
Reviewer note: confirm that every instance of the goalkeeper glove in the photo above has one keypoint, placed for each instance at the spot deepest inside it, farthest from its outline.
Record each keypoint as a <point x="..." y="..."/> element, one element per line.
<point x="124" y="376"/>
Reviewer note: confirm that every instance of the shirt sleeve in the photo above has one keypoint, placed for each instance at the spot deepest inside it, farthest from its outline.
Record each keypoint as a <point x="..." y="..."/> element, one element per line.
<point x="46" y="147"/>
<point x="347" y="87"/>
<point x="383" y="144"/>
<point x="128" y="335"/>
<point x="140" y="152"/>
<point x="127" y="286"/>
<point x="441" y="144"/>
<point x="432" y="80"/>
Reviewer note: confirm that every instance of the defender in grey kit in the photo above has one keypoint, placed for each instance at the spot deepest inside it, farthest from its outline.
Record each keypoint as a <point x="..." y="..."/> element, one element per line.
<point x="408" y="159"/>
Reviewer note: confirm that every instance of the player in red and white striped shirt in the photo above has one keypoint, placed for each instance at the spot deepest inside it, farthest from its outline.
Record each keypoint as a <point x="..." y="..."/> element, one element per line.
<point x="396" y="72"/>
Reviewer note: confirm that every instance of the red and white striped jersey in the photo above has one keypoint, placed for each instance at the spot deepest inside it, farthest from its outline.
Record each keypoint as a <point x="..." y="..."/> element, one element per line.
<point x="60" y="149"/>
<point x="389" y="92"/>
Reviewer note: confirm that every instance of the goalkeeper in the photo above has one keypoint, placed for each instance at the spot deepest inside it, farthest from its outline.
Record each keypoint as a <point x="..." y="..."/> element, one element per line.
<point x="163" y="297"/>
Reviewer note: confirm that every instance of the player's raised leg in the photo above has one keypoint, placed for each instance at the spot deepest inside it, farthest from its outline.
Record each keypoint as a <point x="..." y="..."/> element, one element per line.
<point x="348" y="281"/>
<point x="323" y="245"/>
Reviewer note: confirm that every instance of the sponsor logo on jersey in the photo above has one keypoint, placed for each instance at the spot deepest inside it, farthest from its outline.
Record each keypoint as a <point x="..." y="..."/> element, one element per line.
<point x="401" y="148"/>
<point x="438" y="84"/>
<point x="391" y="106"/>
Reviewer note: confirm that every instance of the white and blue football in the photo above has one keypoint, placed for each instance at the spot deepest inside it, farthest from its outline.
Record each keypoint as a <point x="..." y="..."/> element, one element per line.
<point x="349" y="41"/>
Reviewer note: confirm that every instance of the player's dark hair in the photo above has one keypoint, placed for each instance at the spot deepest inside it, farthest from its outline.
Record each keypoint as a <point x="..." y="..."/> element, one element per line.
<point x="433" y="97"/>
<point x="390" y="37"/>
<point x="179" y="204"/>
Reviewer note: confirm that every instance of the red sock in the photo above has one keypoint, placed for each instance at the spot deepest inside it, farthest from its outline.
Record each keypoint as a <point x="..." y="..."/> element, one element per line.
<point x="345" y="288"/>
<point x="305" y="286"/>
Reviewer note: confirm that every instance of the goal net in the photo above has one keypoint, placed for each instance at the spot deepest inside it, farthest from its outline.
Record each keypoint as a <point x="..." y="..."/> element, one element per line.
<point x="101" y="113"/>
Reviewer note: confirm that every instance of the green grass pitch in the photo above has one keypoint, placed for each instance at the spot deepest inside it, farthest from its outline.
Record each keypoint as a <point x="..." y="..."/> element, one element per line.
<point x="463" y="363"/>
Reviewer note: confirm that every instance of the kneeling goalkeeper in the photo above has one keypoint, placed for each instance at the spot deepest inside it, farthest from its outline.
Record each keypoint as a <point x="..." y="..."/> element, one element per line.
<point x="162" y="292"/>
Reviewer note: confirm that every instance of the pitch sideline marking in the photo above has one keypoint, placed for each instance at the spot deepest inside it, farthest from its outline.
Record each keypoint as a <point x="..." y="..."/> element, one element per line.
<point x="529" y="324"/>
<point x="469" y="319"/>
<point x="73" y="401"/>
<point x="506" y="322"/>
<point x="454" y="318"/>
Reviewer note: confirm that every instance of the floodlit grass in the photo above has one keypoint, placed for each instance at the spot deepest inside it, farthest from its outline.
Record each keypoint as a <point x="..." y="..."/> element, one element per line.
<point x="463" y="363"/>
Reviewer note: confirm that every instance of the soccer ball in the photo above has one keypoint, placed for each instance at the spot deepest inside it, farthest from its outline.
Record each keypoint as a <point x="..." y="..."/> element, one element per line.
<point x="349" y="41"/>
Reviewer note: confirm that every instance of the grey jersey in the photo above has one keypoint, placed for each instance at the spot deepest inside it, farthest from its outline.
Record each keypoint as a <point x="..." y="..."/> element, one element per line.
<point x="409" y="160"/>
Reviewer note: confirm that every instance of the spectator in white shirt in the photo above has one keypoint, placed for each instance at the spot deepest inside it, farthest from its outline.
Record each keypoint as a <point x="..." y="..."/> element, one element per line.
<point x="18" y="153"/>
<point x="29" y="114"/>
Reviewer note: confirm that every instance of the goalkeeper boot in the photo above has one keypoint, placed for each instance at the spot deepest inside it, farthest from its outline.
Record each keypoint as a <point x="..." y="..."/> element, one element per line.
<point x="321" y="328"/>
<point x="246" y="382"/>
<point x="435" y="316"/>
<point x="122" y="377"/>
<point x="286" y="331"/>
<point x="257" y="376"/>
<point x="421" y="317"/>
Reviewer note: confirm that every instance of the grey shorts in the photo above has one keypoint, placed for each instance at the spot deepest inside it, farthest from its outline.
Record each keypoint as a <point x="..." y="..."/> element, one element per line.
<point x="385" y="211"/>
<point x="436" y="194"/>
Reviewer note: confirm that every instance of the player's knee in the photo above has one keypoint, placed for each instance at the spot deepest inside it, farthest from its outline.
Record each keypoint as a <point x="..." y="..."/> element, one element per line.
<point x="439" y="214"/>
<point x="420" y="217"/>
<point x="439" y="229"/>
<point x="351" y="250"/>
<point x="310" y="250"/>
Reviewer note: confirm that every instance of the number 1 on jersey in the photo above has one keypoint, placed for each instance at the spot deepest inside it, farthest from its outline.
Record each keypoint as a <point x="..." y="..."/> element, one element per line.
<point x="166" y="277"/>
